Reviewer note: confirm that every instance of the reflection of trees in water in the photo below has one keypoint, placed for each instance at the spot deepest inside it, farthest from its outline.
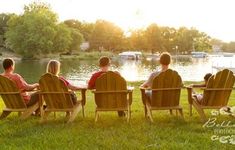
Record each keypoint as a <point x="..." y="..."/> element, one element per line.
<point x="31" y="71"/>
<point x="78" y="67"/>
<point x="151" y="64"/>
<point x="182" y="60"/>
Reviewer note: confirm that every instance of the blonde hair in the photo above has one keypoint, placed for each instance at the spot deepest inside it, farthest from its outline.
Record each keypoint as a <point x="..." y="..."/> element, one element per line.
<point x="53" y="67"/>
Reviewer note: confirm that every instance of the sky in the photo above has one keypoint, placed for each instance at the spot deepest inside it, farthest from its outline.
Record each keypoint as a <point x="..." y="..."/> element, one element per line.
<point x="214" y="17"/>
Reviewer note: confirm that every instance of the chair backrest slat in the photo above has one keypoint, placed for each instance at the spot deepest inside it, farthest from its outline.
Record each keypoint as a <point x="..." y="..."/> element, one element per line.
<point x="59" y="100"/>
<point x="166" y="98"/>
<point x="12" y="101"/>
<point x="222" y="79"/>
<point x="110" y="81"/>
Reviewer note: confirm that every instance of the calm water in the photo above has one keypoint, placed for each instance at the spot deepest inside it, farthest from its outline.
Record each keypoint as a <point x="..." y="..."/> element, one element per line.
<point x="78" y="72"/>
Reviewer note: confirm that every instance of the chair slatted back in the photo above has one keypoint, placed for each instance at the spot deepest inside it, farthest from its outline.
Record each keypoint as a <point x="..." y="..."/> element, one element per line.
<point x="11" y="94"/>
<point x="54" y="92"/>
<point x="166" y="98"/>
<point x="111" y="91"/>
<point x="222" y="79"/>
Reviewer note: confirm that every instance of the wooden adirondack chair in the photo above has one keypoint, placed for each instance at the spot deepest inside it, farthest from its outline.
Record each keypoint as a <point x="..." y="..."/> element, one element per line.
<point x="13" y="100"/>
<point x="58" y="98"/>
<point x="215" y="95"/>
<point x="165" y="95"/>
<point x="111" y="94"/>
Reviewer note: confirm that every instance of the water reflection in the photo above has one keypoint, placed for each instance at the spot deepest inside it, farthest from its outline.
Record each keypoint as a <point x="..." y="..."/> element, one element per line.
<point x="78" y="72"/>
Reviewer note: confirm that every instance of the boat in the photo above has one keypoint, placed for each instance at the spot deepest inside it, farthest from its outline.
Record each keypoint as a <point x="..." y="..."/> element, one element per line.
<point x="199" y="54"/>
<point x="228" y="54"/>
<point x="131" y="55"/>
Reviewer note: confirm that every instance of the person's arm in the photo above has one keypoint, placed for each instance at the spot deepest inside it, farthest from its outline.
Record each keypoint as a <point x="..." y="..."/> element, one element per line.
<point x="73" y="87"/>
<point x="26" y="86"/>
<point x="147" y="83"/>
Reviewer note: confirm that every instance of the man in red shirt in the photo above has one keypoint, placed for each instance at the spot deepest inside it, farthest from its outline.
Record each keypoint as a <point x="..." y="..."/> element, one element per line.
<point x="104" y="63"/>
<point x="9" y="67"/>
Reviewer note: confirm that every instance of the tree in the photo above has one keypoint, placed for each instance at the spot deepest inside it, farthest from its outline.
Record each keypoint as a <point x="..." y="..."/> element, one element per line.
<point x="3" y="27"/>
<point x="153" y="37"/>
<point x="138" y="40"/>
<point x="84" y="28"/>
<point x="77" y="39"/>
<point x="168" y="38"/>
<point x="37" y="32"/>
<point x="107" y="36"/>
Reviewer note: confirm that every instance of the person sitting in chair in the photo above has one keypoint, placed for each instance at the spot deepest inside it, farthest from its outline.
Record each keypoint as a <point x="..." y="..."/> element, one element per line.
<point x="104" y="63"/>
<point x="29" y="99"/>
<point x="165" y="60"/>
<point x="53" y="67"/>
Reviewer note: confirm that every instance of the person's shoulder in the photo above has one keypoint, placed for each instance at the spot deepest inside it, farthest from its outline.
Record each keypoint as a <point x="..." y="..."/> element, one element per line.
<point x="97" y="73"/>
<point x="16" y="75"/>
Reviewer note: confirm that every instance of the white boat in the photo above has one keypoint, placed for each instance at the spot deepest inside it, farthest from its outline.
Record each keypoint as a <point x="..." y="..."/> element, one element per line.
<point x="199" y="54"/>
<point x="131" y="55"/>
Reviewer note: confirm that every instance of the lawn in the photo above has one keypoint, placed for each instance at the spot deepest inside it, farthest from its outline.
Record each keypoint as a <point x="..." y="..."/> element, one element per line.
<point x="112" y="132"/>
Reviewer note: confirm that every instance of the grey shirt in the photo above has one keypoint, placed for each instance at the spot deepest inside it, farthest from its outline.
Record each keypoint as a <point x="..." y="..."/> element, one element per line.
<point x="149" y="82"/>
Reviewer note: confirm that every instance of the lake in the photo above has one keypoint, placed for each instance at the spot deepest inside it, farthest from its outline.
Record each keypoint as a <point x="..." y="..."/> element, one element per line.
<point x="78" y="72"/>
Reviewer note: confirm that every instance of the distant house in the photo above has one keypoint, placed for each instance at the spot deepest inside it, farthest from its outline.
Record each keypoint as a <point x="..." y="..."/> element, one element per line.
<point x="84" y="46"/>
<point x="216" y="48"/>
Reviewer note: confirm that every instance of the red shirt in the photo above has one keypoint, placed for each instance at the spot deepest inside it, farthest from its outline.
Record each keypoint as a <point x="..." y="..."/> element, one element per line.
<point x="91" y="83"/>
<point x="64" y="80"/>
<point x="21" y="84"/>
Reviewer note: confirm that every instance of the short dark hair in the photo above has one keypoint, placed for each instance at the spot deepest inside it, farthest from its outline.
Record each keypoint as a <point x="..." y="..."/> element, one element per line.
<point x="165" y="58"/>
<point x="104" y="61"/>
<point x="207" y="76"/>
<point x="7" y="63"/>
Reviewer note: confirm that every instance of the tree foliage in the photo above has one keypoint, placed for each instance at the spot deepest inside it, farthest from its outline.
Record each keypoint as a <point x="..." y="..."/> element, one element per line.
<point x="107" y="36"/>
<point x="3" y="27"/>
<point x="37" y="31"/>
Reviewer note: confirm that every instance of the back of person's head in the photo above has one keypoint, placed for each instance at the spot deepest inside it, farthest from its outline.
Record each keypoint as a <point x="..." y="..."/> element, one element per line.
<point x="7" y="63"/>
<point x="53" y="67"/>
<point x="104" y="61"/>
<point x="165" y="58"/>
<point x="207" y="76"/>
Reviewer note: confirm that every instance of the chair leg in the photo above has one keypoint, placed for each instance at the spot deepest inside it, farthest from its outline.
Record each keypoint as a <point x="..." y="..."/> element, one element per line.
<point x="74" y="113"/>
<point x="149" y="113"/>
<point x="83" y="112"/>
<point x="171" y="111"/>
<point x="29" y="111"/>
<point x="5" y="114"/>
<point x="145" y="111"/>
<point x="68" y="114"/>
<point x="44" y="117"/>
<point x="19" y="113"/>
<point x="181" y="113"/>
<point x="190" y="110"/>
<point x="176" y="112"/>
<point x="128" y="115"/>
<point x="96" y="115"/>
<point x="200" y="112"/>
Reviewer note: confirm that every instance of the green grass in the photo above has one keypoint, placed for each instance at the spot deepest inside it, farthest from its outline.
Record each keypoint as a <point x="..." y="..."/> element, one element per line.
<point x="111" y="132"/>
